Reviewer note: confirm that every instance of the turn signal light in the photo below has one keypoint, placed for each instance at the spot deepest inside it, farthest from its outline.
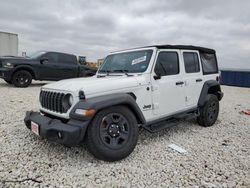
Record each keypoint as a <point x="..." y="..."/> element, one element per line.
<point x="90" y="112"/>
<point x="86" y="113"/>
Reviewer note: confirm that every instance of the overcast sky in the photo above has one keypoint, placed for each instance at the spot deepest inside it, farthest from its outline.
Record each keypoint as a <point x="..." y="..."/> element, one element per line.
<point x="94" y="28"/>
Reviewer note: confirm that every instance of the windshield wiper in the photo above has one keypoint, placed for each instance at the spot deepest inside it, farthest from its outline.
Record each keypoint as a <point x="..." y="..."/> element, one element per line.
<point x="105" y="71"/>
<point x="121" y="70"/>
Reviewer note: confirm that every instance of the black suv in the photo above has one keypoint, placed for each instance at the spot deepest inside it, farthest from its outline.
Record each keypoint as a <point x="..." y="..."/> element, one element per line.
<point x="51" y="66"/>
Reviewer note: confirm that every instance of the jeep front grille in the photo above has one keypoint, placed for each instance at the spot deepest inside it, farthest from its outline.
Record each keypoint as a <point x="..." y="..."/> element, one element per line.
<point x="53" y="101"/>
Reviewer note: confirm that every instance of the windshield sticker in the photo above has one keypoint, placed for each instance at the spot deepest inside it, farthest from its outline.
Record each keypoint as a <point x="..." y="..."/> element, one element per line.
<point x="139" y="60"/>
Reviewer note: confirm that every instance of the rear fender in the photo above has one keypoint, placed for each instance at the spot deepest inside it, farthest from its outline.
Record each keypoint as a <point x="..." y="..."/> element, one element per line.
<point x="210" y="87"/>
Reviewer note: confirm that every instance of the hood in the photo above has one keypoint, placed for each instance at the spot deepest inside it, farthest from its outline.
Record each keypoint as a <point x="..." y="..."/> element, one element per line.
<point x="94" y="85"/>
<point x="14" y="58"/>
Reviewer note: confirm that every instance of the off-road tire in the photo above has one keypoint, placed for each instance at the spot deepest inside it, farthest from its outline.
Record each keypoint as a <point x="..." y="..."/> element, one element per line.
<point x="209" y="112"/>
<point x="22" y="78"/>
<point x="100" y="147"/>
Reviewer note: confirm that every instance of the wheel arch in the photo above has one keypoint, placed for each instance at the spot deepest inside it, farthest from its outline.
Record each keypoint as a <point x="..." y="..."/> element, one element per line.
<point x="26" y="68"/>
<point x="107" y="101"/>
<point x="210" y="87"/>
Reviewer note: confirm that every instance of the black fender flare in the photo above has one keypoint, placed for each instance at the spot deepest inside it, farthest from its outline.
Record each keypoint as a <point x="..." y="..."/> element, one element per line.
<point x="27" y="68"/>
<point x="209" y="87"/>
<point x="106" y="101"/>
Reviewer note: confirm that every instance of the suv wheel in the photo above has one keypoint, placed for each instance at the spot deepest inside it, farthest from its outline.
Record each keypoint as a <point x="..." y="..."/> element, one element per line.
<point x="113" y="134"/>
<point x="22" y="78"/>
<point x="209" y="112"/>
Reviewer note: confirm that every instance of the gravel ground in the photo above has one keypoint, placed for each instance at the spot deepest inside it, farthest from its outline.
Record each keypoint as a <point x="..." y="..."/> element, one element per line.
<point x="217" y="156"/>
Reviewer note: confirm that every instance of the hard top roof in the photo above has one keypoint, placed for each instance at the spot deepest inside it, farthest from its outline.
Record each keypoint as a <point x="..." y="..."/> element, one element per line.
<point x="185" y="47"/>
<point x="181" y="47"/>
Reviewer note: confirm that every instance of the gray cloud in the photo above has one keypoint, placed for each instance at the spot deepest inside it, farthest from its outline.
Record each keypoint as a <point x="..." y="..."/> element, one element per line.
<point x="94" y="28"/>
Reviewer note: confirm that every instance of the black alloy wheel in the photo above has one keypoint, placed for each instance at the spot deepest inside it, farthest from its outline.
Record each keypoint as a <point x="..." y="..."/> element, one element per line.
<point x="212" y="111"/>
<point x="114" y="130"/>
<point x="22" y="78"/>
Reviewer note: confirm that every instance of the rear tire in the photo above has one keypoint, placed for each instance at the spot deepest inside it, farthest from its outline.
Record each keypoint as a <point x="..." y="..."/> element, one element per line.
<point x="113" y="134"/>
<point x="209" y="112"/>
<point x="22" y="78"/>
<point x="8" y="81"/>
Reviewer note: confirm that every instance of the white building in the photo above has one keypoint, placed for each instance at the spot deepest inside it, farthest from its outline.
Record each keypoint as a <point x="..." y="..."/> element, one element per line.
<point x="8" y="44"/>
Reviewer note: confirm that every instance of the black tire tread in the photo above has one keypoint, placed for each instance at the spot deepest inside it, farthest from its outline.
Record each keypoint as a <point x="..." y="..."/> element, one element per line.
<point x="202" y="118"/>
<point x="98" y="149"/>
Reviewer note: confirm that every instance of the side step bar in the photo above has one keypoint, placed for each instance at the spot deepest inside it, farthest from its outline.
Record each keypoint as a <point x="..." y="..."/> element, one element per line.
<point x="156" y="127"/>
<point x="170" y="121"/>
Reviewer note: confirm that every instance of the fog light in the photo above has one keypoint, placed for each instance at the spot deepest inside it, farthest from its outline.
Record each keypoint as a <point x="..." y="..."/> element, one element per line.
<point x="87" y="113"/>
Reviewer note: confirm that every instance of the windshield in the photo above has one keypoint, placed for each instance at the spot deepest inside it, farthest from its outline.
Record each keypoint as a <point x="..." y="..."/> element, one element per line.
<point x="128" y="62"/>
<point x="36" y="54"/>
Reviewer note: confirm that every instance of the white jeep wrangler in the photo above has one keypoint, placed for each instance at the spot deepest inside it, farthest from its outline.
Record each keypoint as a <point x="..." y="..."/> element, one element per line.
<point x="151" y="87"/>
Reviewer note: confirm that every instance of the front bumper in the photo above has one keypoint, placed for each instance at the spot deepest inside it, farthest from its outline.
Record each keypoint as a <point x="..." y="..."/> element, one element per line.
<point x="6" y="73"/>
<point x="69" y="134"/>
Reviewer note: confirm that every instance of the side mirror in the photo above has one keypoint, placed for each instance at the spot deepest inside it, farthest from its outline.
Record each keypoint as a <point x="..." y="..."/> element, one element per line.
<point x="44" y="59"/>
<point x="157" y="77"/>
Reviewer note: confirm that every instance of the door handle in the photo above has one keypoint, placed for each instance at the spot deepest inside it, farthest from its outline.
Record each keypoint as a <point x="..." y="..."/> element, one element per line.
<point x="199" y="80"/>
<point x="179" y="83"/>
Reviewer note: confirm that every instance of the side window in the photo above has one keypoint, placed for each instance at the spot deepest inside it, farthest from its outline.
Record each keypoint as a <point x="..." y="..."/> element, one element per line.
<point x="209" y="63"/>
<point x="167" y="64"/>
<point x="52" y="57"/>
<point x="191" y="62"/>
<point x="66" y="59"/>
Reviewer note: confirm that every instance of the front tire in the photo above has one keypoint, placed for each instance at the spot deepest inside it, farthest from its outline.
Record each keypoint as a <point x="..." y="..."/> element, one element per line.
<point x="113" y="134"/>
<point x="209" y="112"/>
<point x="22" y="78"/>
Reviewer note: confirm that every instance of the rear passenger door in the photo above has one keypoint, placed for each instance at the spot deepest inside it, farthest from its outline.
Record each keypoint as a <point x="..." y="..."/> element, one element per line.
<point x="193" y="77"/>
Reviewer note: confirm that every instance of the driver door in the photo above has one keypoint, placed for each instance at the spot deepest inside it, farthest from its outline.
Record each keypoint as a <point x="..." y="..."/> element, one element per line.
<point x="49" y="69"/>
<point x="168" y="90"/>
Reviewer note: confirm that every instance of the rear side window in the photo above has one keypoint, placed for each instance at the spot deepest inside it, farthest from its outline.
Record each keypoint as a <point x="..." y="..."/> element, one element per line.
<point x="191" y="62"/>
<point x="209" y="63"/>
<point x="66" y="59"/>
<point x="167" y="64"/>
